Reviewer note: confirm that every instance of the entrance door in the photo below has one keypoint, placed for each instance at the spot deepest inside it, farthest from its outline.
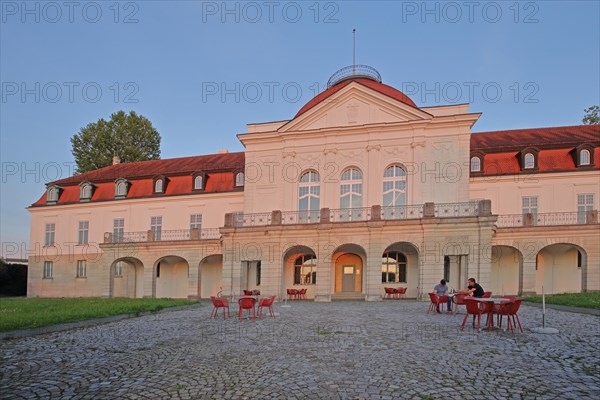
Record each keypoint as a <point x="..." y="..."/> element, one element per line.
<point x="348" y="278"/>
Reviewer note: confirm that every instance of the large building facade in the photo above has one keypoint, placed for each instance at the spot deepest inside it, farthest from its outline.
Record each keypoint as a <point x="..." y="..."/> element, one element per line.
<point x="360" y="190"/>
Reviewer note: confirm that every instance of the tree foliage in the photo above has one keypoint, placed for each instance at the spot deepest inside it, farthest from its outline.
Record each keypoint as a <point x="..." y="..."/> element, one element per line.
<point x="592" y="116"/>
<point x="131" y="137"/>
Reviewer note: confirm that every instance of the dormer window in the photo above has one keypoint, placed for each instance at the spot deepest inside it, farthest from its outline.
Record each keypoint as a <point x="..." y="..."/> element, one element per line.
<point x="121" y="188"/>
<point x="199" y="181"/>
<point x="475" y="164"/>
<point x="53" y="194"/>
<point x="159" y="185"/>
<point x="86" y="190"/>
<point x="239" y="179"/>
<point x="528" y="159"/>
<point x="583" y="155"/>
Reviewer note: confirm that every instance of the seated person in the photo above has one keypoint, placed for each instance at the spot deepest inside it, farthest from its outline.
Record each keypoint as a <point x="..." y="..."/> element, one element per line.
<point x="475" y="289"/>
<point x="441" y="290"/>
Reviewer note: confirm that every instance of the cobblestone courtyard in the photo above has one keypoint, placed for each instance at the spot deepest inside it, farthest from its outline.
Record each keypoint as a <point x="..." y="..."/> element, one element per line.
<point x="340" y="350"/>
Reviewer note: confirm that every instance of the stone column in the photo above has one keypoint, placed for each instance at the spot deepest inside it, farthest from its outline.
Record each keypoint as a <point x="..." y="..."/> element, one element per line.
<point x="527" y="278"/>
<point x="372" y="270"/>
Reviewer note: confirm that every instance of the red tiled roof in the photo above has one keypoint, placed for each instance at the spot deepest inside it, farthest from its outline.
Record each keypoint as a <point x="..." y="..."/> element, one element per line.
<point x="220" y="169"/>
<point x="538" y="137"/>
<point x="182" y="165"/>
<point x="377" y="86"/>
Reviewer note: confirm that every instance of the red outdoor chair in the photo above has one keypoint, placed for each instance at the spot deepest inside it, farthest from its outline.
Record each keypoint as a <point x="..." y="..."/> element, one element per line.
<point x="390" y="293"/>
<point x="246" y="303"/>
<point x="219" y="303"/>
<point x="400" y="292"/>
<point x="292" y="294"/>
<point x="486" y="295"/>
<point x="302" y="294"/>
<point x="458" y="300"/>
<point x="268" y="302"/>
<point x="247" y="292"/>
<point x="504" y="309"/>
<point x="513" y="313"/>
<point x="436" y="301"/>
<point x="476" y="309"/>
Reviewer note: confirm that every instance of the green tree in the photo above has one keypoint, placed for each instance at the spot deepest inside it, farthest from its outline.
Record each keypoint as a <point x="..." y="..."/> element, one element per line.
<point x="592" y="116"/>
<point x="131" y="137"/>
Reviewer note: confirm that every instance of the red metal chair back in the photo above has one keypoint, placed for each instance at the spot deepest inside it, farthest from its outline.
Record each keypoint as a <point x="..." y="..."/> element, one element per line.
<point x="267" y="302"/>
<point x="472" y="306"/>
<point x="459" y="299"/>
<point x="216" y="302"/>
<point x="486" y="295"/>
<point x="247" y="303"/>
<point x="515" y="307"/>
<point x="247" y="292"/>
<point x="433" y="297"/>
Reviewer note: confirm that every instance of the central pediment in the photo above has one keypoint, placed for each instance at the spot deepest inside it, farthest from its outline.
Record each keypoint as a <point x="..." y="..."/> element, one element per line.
<point x="354" y="105"/>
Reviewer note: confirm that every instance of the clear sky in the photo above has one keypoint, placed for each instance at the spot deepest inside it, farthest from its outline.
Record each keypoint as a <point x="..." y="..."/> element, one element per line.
<point x="200" y="71"/>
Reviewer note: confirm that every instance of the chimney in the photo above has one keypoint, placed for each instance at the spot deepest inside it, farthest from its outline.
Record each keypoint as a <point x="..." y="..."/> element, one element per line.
<point x="116" y="160"/>
<point x="223" y="151"/>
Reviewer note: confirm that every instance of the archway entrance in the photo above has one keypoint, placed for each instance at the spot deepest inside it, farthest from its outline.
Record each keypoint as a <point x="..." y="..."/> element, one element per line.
<point x="171" y="277"/>
<point x="127" y="278"/>
<point x="507" y="264"/>
<point x="210" y="274"/>
<point x="559" y="268"/>
<point x="348" y="261"/>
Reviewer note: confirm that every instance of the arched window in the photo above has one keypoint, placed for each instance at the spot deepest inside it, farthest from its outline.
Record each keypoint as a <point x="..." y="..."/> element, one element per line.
<point x="198" y="183"/>
<point x="158" y="186"/>
<point x="121" y="189"/>
<point x="351" y="190"/>
<point x="86" y="192"/>
<point x="239" y="179"/>
<point x="584" y="157"/>
<point x="475" y="164"/>
<point x="309" y="197"/>
<point x="529" y="161"/>
<point x="393" y="267"/>
<point x="305" y="270"/>
<point x="394" y="186"/>
<point x="52" y="195"/>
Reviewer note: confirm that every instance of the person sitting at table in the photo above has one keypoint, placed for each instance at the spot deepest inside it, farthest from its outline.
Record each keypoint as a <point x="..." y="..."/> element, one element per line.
<point x="474" y="288"/>
<point x="441" y="289"/>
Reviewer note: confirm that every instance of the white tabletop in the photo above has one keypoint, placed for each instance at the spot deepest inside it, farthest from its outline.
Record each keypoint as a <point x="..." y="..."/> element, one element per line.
<point x="491" y="299"/>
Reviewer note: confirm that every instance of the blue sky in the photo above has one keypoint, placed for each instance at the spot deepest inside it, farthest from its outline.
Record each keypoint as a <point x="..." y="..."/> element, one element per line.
<point x="200" y="71"/>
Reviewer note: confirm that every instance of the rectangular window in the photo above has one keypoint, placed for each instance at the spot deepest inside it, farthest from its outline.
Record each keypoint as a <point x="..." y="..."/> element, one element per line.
<point x="81" y="272"/>
<point x="258" y="268"/>
<point x="585" y="203"/>
<point x="530" y="206"/>
<point x="83" y="232"/>
<point x="49" y="238"/>
<point x="48" y="267"/>
<point x="196" y="222"/>
<point x="156" y="226"/>
<point x="447" y="268"/>
<point x="118" y="230"/>
<point x="118" y="269"/>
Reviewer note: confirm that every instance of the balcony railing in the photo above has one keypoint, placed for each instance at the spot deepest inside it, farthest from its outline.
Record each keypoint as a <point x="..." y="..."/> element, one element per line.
<point x="402" y="212"/>
<point x="468" y="209"/>
<point x="300" y="217"/>
<point x="350" y="214"/>
<point x="255" y="219"/>
<point x="547" y="219"/>
<point x="163" y="236"/>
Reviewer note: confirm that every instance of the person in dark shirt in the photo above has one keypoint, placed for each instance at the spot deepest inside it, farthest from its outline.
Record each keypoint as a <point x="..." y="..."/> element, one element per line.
<point x="474" y="288"/>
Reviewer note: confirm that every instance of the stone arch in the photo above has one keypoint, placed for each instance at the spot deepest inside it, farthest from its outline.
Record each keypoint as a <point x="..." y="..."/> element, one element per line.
<point x="296" y="278"/>
<point x="126" y="278"/>
<point x="413" y="269"/>
<point x="506" y="275"/>
<point x="348" y="263"/>
<point x="210" y="276"/>
<point x="561" y="267"/>
<point x="170" y="277"/>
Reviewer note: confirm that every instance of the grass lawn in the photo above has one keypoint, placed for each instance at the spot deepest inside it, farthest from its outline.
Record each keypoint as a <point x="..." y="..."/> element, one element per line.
<point x="585" y="300"/>
<point x="23" y="313"/>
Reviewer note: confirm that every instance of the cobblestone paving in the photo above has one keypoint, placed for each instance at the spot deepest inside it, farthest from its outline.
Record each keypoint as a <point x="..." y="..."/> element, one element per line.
<point x="340" y="350"/>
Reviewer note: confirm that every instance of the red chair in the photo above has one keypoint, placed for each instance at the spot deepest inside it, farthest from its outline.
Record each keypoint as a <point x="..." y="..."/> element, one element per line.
<point x="390" y="293"/>
<point x="219" y="303"/>
<point x="513" y="313"/>
<point x="458" y="300"/>
<point x="246" y="303"/>
<point x="302" y="293"/>
<point x="504" y="309"/>
<point x="436" y="301"/>
<point x="292" y="294"/>
<point x="268" y="302"/>
<point x="400" y="292"/>
<point x="247" y="292"/>
<point x="486" y="295"/>
<point x="476" y="309"/>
